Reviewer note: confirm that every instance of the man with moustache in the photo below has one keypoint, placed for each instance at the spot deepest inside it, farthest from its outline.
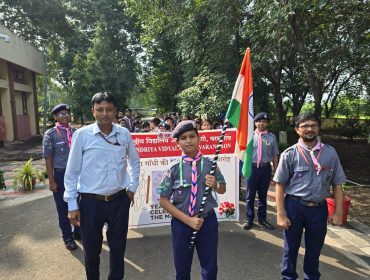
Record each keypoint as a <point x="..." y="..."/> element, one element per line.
<point x="305" y="173"/>
<point x="103" y="169"/>
<point x="56" y="145"/>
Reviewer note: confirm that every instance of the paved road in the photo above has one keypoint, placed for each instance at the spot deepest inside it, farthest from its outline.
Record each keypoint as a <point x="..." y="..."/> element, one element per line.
<point x="31" y="248"/>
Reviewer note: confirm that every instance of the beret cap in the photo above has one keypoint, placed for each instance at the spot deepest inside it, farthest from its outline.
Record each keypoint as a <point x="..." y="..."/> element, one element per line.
<point x="60" y="107"/>
<point x="182" y="127"/>
<point x="261" y="116"/>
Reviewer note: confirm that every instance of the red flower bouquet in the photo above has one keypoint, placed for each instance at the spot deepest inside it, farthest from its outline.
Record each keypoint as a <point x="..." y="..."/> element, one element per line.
<point x="227" y="209"/>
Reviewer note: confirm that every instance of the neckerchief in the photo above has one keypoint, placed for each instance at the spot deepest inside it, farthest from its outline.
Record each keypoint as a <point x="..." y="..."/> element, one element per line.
<point x="194" y="177"/>
<point x="259" y="145"/>
<point x="315" y="159"/>
<point x="68" y="130"/>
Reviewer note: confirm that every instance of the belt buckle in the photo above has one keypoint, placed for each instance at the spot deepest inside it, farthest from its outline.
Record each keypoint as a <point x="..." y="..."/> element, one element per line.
<point x="106" y="198"/>
<point x="310" y="204"/>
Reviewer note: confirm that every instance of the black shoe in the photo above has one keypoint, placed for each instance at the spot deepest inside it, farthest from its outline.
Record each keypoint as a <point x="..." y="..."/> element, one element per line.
<point x="70" y="244"/>
<point x="76" y="235"/>
<point x="248" y="225"/>
<point x="266" y="224"/>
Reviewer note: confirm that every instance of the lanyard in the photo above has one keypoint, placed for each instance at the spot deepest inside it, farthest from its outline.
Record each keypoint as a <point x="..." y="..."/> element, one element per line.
<point x="106" y="140"/>
<point x="181" y="173"/>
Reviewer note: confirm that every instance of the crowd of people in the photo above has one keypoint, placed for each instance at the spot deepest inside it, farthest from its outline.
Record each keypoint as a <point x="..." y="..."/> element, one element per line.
<point x="135" y="123"/>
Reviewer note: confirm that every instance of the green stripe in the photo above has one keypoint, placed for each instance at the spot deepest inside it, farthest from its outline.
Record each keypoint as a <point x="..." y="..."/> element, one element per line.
<point x="247" y="162"/>
<point x="233" y="112"/>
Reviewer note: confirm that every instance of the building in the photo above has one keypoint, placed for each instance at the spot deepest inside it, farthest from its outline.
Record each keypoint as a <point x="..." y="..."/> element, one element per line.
<point x="20" y="62"/>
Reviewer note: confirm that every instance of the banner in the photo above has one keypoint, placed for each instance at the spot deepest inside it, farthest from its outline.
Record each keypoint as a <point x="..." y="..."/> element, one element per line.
<point x="157" y="154"/>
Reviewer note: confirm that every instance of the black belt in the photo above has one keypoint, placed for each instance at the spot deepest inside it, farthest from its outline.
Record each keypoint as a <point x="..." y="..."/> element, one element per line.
<point x="103" y="197"/>
<point x="59" y="170"/>
<point x="262" y="164"/>
<point x="306" y="202"/>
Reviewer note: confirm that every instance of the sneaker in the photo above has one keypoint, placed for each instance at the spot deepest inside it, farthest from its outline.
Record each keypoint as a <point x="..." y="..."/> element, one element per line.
<point x="70" y="244"/>
<point x="248" y="225"/>
<point x="266" y="224"/>
<point x="76" y="235"/>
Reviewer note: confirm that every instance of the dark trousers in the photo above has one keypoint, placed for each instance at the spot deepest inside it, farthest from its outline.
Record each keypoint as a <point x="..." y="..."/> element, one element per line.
<point x="258" y="182"/>
<point x="314" y="222"/>
<point x="62" y="206"/>
<point x="94" y="214"/>
<point x="206" y="244"/>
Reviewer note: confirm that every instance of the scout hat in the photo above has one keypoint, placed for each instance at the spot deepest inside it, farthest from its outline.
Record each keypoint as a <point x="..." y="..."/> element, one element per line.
<point x="261" y="116"/>
<point x="182" y="127"/>
<point x="60" y="107"/>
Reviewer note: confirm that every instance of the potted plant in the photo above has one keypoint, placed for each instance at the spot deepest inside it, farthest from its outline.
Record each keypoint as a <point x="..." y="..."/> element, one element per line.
<point x="25" y="179"/>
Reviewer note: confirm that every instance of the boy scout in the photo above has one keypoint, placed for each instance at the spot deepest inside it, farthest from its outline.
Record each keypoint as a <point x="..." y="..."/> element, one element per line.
<point x="305" y="174"/>
<point x="265" y="150"/>
<point x="56" y="144"/>
<point x="185" y="183"/>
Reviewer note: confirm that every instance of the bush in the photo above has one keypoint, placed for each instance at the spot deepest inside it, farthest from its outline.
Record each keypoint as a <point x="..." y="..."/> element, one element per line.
<point x="2" y="181"/>
<point x="351" y="127"/>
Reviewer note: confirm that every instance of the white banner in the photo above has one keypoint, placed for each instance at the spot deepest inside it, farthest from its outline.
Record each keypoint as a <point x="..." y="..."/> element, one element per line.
<point x="146" y="211"/>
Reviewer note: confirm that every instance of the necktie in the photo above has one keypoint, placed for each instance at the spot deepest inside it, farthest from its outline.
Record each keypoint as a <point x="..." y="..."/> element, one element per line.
<point x="259" y="145"/>
<point x="68" y="130"/>
<point x="194" y="178"/>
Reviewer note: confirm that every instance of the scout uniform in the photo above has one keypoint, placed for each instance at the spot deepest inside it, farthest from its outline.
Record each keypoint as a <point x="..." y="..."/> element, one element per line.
<point x="306" y="188"/>
<point x="56" y="144"/>
<point x="177" y="184"/>
<point x="259" y="181"/>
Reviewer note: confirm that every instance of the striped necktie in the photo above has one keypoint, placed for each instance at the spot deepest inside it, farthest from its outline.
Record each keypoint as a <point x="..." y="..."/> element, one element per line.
<point x="194" y="177"/>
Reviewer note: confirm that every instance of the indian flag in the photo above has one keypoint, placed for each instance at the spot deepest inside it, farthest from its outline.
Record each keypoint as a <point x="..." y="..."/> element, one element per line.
<point x="240" y="114"/>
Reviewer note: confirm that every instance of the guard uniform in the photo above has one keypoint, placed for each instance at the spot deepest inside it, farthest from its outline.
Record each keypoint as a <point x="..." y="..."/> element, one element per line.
<point x="207" y="237"/>
<point x="306" y="189"/>
<point x="55" y="145"/>
<point x="259" y="180"/>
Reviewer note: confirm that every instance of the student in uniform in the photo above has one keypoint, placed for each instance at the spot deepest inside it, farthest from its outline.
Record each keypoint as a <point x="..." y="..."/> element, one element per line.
<point x="185" y="182"/>
<point x="265" y="150"/>
<point x="303" y="179"/>
<point x="56" y="145"/>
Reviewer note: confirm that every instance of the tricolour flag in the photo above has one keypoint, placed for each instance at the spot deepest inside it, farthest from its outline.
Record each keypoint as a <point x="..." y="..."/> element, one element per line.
<point x="240" y="114"/>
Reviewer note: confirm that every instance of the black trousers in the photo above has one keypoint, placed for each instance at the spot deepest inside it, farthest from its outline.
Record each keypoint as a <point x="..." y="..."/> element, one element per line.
<point x="94" y="214"/>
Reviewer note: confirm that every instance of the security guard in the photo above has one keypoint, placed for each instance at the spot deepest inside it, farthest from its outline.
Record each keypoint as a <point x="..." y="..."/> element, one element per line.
<point x="265" y="150"/>
<point x="305" y="174"/>
<point x="56" y="144"/>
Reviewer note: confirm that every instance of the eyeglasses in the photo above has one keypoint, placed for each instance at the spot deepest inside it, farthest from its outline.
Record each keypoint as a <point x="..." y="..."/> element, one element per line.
<point x="63" y="114"/>
<point x="307" y="126"/>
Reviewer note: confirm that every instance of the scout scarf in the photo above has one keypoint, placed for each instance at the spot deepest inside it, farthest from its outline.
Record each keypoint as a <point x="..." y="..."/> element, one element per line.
<point x="194" y="178"/>
<point x="68" y="130"/>
<point x="259" y="145"/>
<point x="315" y="159"/>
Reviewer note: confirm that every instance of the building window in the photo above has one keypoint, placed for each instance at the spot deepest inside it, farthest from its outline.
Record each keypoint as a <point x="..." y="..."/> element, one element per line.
<point x="18" y="75"/>
<point x="24" y="103"/>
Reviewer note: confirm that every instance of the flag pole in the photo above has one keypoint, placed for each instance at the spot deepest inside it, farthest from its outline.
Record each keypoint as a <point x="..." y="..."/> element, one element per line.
<point x="207" y="189"/>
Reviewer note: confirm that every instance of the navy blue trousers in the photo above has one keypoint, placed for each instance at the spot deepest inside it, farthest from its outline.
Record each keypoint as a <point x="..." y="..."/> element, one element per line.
<point x="206" y="244"/>
<point x="62" y="207"/>
<point x="314" y="222"/>
<point x="94" y="214"/>
<point x="258" y="182"/>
